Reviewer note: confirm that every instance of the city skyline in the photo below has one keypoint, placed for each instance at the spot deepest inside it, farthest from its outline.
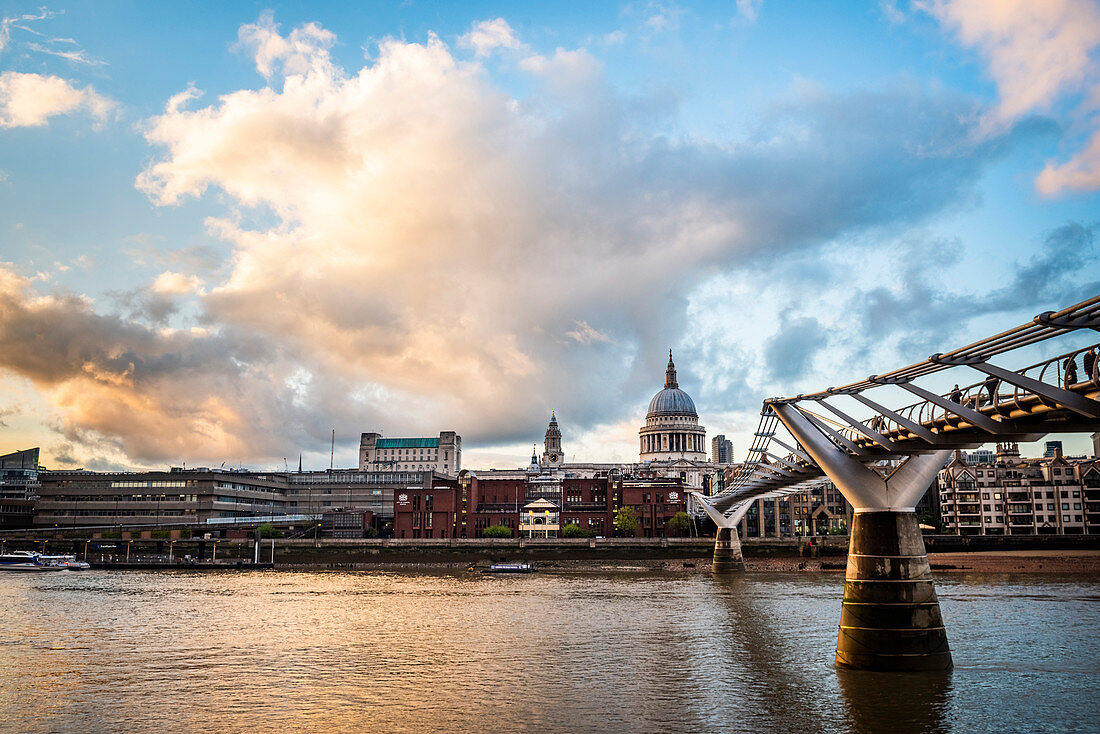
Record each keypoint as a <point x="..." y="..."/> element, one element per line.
<point x="228" y="231"/>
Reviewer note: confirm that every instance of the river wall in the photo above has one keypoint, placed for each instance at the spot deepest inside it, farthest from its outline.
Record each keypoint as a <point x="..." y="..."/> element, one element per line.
<point x="336" y="553"/>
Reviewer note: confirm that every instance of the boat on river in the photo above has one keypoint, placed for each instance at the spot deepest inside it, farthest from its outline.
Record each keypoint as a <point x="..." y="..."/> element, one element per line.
<point x="29" y="561"/>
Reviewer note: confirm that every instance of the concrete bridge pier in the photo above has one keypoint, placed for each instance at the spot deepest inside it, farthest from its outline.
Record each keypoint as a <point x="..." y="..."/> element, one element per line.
<point x="727" y="552"/>
<point x="890" y="617"/>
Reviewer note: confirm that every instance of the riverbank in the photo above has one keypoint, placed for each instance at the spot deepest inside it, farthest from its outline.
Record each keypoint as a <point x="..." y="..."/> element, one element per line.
<point x="1055" y="562"/>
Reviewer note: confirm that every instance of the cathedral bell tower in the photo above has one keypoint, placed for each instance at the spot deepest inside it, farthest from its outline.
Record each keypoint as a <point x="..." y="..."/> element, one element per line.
<point x="553" y="456"/>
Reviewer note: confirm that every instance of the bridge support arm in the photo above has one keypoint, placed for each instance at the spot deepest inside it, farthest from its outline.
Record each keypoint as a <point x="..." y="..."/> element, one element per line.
<point x="890" y="617"/>
<point x="727" y="545"/>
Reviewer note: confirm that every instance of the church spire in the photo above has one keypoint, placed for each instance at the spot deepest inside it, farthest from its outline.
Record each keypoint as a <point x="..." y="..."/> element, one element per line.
<point x="670" y="373"/>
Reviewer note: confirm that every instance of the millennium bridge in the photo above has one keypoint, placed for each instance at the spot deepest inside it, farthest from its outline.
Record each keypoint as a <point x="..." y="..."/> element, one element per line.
<point x="883" y="460"/>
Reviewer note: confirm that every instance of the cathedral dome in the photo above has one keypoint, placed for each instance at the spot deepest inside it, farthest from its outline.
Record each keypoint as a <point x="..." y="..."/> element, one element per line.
<point x="671" y="400"/>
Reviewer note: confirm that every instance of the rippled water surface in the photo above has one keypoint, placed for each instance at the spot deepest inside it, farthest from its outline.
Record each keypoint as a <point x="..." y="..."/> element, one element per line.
<point x="326" y="651"/>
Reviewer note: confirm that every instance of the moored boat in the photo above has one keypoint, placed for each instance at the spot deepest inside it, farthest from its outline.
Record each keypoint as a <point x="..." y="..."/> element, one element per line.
<point x="29" y="561"/>
<point x="510" y="568"/>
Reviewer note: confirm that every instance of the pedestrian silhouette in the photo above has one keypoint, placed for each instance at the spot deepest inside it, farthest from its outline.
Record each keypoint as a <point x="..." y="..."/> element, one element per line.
<point x="1070" y="371"/>
<point x="990" y="385"/>
<point x="956" y="394"/>
<point x="1089" y="363"/>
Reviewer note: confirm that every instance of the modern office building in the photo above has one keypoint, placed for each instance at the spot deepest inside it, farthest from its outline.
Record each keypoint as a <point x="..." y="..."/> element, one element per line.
<point x="721" y="450"/>
<point x="18" y="488"/>
<point x="213" y="496"/>
<point x="978" y="456"/>
<point x="177" y="496"/>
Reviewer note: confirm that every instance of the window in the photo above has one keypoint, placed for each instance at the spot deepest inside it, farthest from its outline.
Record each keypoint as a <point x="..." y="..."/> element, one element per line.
<point x="1065" y="505"/>
<point x="1065" y="518"/>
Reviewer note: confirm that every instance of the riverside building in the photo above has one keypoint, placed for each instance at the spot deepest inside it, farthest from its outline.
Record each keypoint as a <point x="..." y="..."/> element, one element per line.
<point x="442" y="454"/>
<point x="213" y="497"/>
<point x="537" y="502"/>
<point x="1019" y="496"/>
<point x="18" y="488"/>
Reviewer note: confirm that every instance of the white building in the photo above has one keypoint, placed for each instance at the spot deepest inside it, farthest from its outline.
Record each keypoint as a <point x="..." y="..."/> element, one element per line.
<point x="1015" y="496"/>
<point x="442" y="454"/>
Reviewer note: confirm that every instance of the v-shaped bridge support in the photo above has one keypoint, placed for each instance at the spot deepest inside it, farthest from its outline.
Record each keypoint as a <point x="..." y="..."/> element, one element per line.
<point x="890" y="617"/>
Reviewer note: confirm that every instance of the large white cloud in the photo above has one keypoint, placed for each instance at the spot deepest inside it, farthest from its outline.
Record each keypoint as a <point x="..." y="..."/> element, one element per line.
<point x="30" y="100"/>
<point x="442" y="254"/>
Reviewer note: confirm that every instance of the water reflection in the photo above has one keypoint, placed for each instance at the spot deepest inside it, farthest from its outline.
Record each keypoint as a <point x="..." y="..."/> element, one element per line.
<point x="900" y="703"/>
<point x="772" y="674"/>
<point x="571" y="652"/>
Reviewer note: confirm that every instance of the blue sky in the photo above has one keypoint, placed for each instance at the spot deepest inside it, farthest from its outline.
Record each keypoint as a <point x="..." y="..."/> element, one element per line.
<point x="226" y="229"/>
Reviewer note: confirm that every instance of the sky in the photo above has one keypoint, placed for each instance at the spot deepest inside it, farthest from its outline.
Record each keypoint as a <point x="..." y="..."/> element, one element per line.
<point x="230" y="229"/>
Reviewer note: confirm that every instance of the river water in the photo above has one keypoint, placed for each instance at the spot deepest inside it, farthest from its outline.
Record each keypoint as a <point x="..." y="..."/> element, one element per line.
<point x="615" y="651"/>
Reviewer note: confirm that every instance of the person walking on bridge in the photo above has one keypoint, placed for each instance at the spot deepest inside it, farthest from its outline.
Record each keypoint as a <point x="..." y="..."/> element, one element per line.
<point x="1089" y="363"/>
<point x="1070" y="375"/>
<point x="990" y="386"/>
<point x="956" y="394"/>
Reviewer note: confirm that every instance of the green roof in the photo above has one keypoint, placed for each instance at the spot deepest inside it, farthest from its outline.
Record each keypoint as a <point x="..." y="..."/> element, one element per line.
<point x="407" y="443"/>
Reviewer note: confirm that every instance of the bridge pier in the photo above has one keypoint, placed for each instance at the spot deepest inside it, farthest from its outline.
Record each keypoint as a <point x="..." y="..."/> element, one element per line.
<point x="890" y="617"/>
<point x="727" y="552"/>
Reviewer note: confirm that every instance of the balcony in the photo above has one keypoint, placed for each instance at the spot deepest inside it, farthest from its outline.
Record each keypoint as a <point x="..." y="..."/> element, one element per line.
<point x="586" y="506"/>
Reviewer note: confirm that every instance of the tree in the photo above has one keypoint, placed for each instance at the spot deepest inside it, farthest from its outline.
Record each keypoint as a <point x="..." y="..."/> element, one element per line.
<point x="679" y="523"/>
<point x="267" y="530"/>
<point x="573" y="530"/>
<point x="496" y="531"/>
<point x="626" y="520"/>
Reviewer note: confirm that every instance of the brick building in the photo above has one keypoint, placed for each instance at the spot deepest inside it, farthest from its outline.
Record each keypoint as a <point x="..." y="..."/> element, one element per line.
<point x="543" y="500"/>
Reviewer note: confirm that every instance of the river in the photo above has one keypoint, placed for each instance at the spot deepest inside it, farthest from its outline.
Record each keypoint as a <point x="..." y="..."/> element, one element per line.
<point x="611" y="651"/>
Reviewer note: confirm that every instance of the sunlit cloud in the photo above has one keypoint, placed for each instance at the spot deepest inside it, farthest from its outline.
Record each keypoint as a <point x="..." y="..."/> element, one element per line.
<point x="488" y="35"/>
<point x="30" y="100"/>
<point x="1038" y="53"/>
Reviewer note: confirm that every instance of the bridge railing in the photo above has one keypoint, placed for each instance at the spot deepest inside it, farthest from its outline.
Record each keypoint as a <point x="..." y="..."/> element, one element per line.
<point x="992" y="396"/>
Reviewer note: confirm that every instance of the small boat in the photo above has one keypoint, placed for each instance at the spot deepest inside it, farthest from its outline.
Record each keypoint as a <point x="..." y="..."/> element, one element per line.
<point x="510" y="568"/>
<point x="65" y="563"/>
<point x="29" y="561"/>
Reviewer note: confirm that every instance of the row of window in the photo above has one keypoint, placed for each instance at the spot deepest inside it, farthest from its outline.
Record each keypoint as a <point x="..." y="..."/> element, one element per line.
<point x="156" y="484"/>
<point x="46" y="499"/>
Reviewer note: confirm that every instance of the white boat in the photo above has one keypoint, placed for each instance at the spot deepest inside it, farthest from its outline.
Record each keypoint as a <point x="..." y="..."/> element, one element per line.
<point x="65" y="563"/>
<point x="510" y="568"/>
<point x="29" y="561"/>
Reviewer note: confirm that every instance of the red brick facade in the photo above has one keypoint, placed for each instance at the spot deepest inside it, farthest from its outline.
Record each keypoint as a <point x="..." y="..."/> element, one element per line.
<point x="450" y="510"/>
